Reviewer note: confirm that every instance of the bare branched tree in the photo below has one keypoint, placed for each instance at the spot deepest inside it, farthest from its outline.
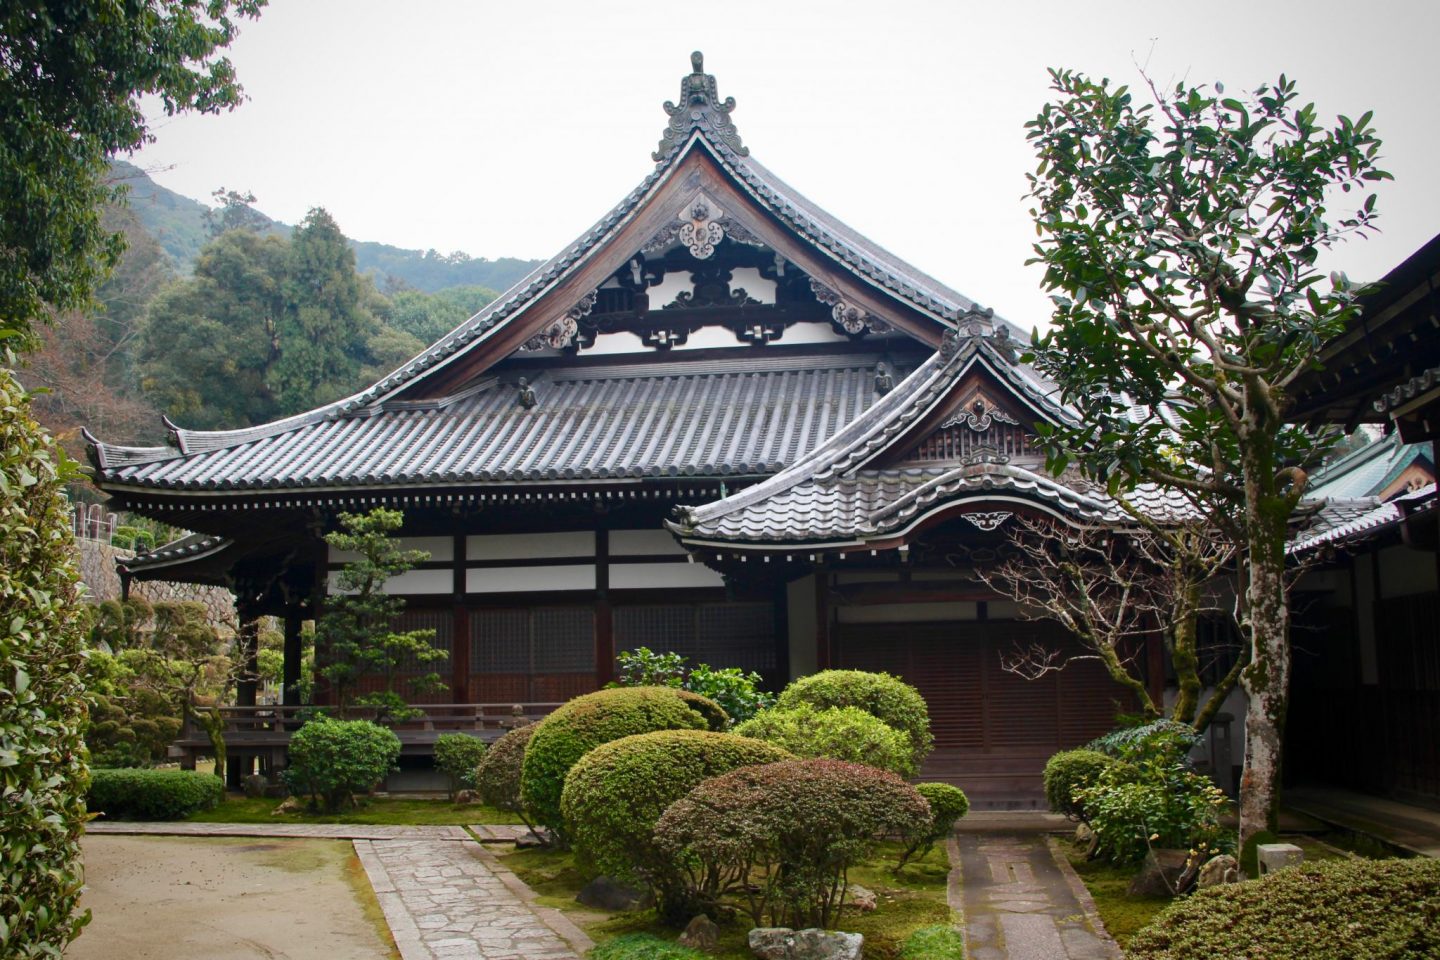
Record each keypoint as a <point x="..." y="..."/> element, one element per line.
<point x="1111" y="589"/>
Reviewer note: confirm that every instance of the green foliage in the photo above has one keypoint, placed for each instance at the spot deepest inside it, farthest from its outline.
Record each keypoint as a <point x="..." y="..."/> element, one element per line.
<point x="738" y="692"/>
<point x="458" y="756"/>
<point x="133" y="538"/>
<point x="840" y="733"/>
<point x="1179" y="240"/>
<point x="1378" y="909"/>
<point x="1151" y="797"/>
<point x="356" y="632"/>
<point x="939" y="941"/>
<point x="70" y="96"/>
<point x="783" y="836"/>
<point x="585" y="723"/>
<point x="643" y="946"/>
<point x="1069" y="771"/>
<point x="429" y="316"/>
<point x="42" y="699"/>
<point x="947" y="805"/>
<point x="881" y="695"/>
<point x="152" y="794"/>
<point x="332" y="760"/>
<point x="498" y="775"/>
<point x="614" y="795"/>
<point x="1157" y="736"/>
<point x="325" y="321"/>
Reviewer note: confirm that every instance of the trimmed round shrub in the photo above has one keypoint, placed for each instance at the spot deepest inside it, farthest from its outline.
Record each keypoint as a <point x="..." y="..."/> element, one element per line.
<point x="947" y="805"/>
<point x="152" y="794"/>
<point x="840" y="733"/>
<point x="457" y="755"/>
<point x="615" y="794"/>
<point x="584" y="723"/>
<point x="332" y="760"/>
<point x="716" y="718"/>
<point x="785" y="834"/>
<point x="498" y="775"/>
<point x="1377" y="909"/>
<point x="886" y="697"/>
<point x="1071" y="770"/>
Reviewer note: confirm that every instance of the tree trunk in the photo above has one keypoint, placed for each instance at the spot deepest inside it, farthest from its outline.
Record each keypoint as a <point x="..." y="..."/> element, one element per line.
<point x="1267" y="678"/>
<point x="1183" y="653"/>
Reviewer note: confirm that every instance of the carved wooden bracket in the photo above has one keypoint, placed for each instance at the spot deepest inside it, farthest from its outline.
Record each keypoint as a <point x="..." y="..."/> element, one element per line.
<point x="561" y="333"/>
<point x="846" y="316"/>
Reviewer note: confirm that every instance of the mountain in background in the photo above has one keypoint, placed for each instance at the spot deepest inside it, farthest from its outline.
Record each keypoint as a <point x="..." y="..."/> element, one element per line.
<point x="179" y="225"/>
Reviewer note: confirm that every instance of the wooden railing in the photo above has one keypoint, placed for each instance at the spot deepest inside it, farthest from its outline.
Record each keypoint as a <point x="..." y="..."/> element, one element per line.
<point x="272" y="725"/>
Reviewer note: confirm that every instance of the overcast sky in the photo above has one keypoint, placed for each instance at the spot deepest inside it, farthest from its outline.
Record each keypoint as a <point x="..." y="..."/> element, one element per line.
<point x="506" y="129"/>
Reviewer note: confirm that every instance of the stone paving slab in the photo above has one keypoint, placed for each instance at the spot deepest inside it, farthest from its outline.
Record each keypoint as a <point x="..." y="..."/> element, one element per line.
<point x="445" y="899"/>
<point x="499" y="832"/>
<point x="316" y="831"/>
<point x="1020" y="904"/>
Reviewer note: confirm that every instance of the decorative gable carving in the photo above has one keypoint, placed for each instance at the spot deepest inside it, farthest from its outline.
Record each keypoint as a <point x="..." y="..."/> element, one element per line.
<point x="977" y="430"/>
<point x="846" y="316"/>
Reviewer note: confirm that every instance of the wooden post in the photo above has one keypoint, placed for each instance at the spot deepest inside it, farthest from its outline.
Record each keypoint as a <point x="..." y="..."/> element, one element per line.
<point x="604" y="615"/>
<point x="822" y="618"/>
<point x="459" y="629"/>
<point x="290" y="674"/>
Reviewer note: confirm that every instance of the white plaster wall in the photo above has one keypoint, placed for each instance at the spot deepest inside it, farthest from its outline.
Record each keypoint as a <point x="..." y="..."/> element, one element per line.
<point x="526" y="546"/>
<point x="440" y="549"/>
<point x="409" y="582"/>
<point x="635" y="543"/>
<point x="530" y="579"/>
<point x="650" y="576"/>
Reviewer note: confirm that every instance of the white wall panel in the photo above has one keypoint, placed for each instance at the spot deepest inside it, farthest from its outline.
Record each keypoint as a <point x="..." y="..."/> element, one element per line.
<point x="439" y="548"/>
<point x="525" y="546"/>
<point x="644" y="576"/>
<point x="637" y="543"/>
<point x="529" y="579"/>
<point x="409" y="582"/>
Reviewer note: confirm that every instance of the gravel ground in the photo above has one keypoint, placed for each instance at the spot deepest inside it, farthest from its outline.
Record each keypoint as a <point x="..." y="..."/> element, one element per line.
<point x="172" y="898"/>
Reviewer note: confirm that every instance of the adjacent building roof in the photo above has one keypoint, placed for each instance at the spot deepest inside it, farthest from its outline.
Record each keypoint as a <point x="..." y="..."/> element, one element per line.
<point x="1368" y="471"/>
<point x="1346" y="521"/>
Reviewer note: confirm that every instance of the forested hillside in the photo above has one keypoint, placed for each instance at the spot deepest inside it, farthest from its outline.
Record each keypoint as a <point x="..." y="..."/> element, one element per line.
<point x="267" y="322"/>
<point x="181" y="226"/>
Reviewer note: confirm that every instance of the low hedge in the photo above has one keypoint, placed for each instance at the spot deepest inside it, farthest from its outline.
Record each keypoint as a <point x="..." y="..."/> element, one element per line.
<point x="615" y="794"/>
<point x="1377" y="909"/>
<point x="333" y="760"/>
<point x="840" y="733"/>
<point x="886" y="697"/>
<point x="586" y="722"/>
<point x="1071" y="770"/>
<point x="133" y="794"/>
<point x="947" y="805"/>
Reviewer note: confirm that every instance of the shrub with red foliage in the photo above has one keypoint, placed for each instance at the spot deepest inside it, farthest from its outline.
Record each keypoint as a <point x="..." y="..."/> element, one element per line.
<point x="783" y="836"/>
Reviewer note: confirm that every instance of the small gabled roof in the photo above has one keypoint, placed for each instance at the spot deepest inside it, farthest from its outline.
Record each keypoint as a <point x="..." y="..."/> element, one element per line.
<point x="699" y="124"/>
<point x="1341" y="522"/>
<point x="840" y="497"/>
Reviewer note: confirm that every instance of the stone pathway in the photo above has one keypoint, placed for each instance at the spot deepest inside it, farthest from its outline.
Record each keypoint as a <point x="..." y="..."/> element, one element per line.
<point x="444" y="896"/>
<point x="314" y="831"/>
<point x="1019" y="904"/>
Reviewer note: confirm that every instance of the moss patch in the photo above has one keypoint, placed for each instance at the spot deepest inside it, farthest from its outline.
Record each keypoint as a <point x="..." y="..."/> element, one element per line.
<point x="1122" y="914"/>
<point x="906" y="903"/>
<point x="380" y="811"/>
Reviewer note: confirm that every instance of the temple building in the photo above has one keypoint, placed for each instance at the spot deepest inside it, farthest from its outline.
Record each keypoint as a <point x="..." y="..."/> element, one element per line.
<point x="720" y="423"/>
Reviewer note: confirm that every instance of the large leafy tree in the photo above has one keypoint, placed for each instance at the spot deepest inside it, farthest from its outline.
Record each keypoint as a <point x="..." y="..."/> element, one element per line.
<point x="327" y="320"/>
<point x="71" y="79"/>
<point x="1180" y="240"/>
<point x="209" y="342"/>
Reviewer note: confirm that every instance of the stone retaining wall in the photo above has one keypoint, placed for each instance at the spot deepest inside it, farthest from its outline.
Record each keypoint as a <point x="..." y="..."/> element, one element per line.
<point x="97" y="570"/>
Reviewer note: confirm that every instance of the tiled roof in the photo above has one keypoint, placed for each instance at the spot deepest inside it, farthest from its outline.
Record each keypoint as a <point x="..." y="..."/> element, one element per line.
<point x="1345" y="520"/>
<point x="832" y="494"/>
<point x="190" y="547"/>
<point x="1365" y="472"/>
<point x="745" y="416"/>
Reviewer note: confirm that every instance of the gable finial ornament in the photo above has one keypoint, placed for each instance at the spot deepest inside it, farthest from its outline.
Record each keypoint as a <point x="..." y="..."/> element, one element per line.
<point x="700" y="106"/>
<point x="950" y="344"/>
<point x="562" y="332"/>
<point x="988" y="521"/>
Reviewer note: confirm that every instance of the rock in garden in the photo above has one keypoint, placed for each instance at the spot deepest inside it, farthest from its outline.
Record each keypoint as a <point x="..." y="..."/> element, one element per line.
<point x="288" y="805"/>
<point x="860" y="898"/>
<point x="530" y="840"/>
<point x="1160" y="875"/>
<point x="782" y="943"/>
<point x="1083" y="834"/>
<point x="467" y="796"/>
<point x="700" y="934"/>
<point x="254" y="785"/>
<point x="1218" y="870"/>
<point x="604" y="893"/>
